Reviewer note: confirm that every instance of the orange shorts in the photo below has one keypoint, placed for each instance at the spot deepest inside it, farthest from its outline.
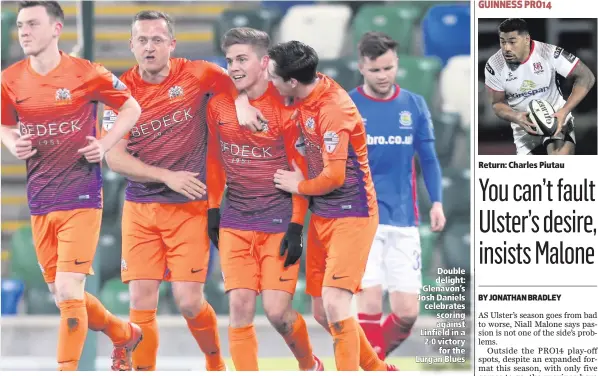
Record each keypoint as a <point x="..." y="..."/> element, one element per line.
<point x="337" y="252"/>
<point x="165" y="241"/>
<point x="251" y="260"/>
<point x="66" y="241"/>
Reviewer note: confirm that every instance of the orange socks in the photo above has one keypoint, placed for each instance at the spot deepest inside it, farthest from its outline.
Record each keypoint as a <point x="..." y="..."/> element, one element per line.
<point x="144" y="356"/>
<point x="100" y="319"/>
<point x="346" y="341"/>
<point x="298" y="341"/>
<point x="243" y="348"/>
<point x="368" y="358"/>
<point x="204" y="329"/>
<point x="71" y="334"/>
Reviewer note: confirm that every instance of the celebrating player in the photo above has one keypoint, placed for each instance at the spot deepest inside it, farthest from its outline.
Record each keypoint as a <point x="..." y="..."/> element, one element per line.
<point x="343" y="201"/>
<point x="52" y="98"/>
<point x="259" y="223"/>
<point x="525" y="69"/>
<point x="400" y="122"/>
<point x="165" y="221"/>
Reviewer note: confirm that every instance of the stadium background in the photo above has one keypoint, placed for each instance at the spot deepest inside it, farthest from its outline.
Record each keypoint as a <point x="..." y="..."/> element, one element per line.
<point x="434" y="61"/>
<point x="577" y="36"/>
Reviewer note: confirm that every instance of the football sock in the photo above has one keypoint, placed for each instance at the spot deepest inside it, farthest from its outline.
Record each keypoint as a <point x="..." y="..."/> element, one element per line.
<point x="368" y="358"/>
<point x="204" y="328"/>
<point x="243" y="348"/>
<point x="373" y="331"/>
<point x="395" y="331"/>
<point x="345" y="338"/>
<point x="100" y="319"/>
<point x="71" y="334"/>
<point x="298" y="341"/>
<point x="144" y="356"/>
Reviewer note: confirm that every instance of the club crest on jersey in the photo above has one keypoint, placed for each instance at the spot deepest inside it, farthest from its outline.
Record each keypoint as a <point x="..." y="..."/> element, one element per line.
<point x="123" y="265"/>
<point x="310" y="124"/>
<point x="538" y="68"/>
<point x="175" y="92"/>
<point x="405" y="119"/>
<point x="331" y="139"/>
<point x="63" y="96"/>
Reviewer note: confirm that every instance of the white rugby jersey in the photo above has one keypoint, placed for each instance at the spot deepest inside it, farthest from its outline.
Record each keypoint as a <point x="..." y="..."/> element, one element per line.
<point x="535" y="78"/>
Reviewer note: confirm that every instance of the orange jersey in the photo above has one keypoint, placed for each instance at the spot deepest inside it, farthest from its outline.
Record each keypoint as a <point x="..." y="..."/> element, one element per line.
<point x="334" y="130"/>
<point x="250" y="161"/>
<point x="171" y="132"/>
<point x="60" y="110"/>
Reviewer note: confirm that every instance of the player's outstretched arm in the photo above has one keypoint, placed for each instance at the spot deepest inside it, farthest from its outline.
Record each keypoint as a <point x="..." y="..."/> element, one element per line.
<point x="128" y="114"/>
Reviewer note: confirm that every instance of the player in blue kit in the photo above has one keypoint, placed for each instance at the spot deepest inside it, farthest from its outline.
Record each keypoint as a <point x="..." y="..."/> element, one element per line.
<point x="398" y="125"/>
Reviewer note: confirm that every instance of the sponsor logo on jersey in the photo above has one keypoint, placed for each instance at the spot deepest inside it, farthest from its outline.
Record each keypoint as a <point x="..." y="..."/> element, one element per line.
<point x="390" y="140"/>
<point x="160" y="126"/>
<point x="527" y="89"/>
<point x="527" y="85"/>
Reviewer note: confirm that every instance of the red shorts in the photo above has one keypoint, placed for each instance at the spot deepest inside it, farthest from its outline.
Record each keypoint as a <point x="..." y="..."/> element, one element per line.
<point x="337" y="252"/>
<point x="251" y="260"/>
<point x="165" y="241"/>
<point x="66" y="241"/>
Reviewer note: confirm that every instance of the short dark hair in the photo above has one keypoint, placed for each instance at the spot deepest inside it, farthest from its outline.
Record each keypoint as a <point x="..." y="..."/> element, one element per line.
<point x="246" y="35"/>
<point x="145" y="15"/>
<point x="53" y="9"/>
<point x="295" y="60"/>
<point x="513" y="24"/>
<point x="374" y="44"/>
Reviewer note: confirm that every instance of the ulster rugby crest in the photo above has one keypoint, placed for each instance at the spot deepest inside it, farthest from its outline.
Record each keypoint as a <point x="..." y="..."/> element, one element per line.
<point x="63" y="96"/>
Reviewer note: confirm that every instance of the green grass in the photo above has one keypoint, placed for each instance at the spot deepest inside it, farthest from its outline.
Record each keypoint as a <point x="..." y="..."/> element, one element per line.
<point x="290" y="364"/>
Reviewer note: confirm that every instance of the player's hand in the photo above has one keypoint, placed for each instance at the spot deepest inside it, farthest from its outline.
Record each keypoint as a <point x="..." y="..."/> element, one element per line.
<point x="24" y="147"/>
<point x="185" y="183"/>
<point x="214" y="226"/>
<point x="524" y="122"/>
<point x="292" y="244"/>
<point x="288" y="181"/>
<point x="437" y="219"/>
<point x="94" y="151"/>
<point x="561" y="116"/>
<point x="249" y="116"/>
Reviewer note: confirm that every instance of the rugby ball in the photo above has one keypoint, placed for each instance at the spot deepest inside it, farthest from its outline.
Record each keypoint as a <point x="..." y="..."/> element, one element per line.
<point x="540" y="113"/>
